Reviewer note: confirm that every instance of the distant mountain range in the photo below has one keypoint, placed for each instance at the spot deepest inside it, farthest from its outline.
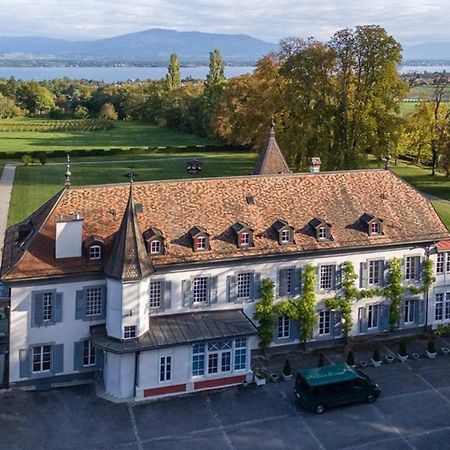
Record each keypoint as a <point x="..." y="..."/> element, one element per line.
<point x="154" y="44"/>
<point x="427" y="51"/>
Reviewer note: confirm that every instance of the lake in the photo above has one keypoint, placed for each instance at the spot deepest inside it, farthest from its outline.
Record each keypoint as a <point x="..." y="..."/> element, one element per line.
<point x="117" y="74"/>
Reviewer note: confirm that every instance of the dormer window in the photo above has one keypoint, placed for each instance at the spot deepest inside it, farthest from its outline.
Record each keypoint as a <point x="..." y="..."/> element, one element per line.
<point x="372" y="224"/>
<point x="243" y="234"/>
<point x="320" y="229"/>
<point x="155" y="247"/>
<point x="200" y="239"/>
<point x="155" y="241"/>
<point x="284" y="232"/>
<point x="95" y="252"/>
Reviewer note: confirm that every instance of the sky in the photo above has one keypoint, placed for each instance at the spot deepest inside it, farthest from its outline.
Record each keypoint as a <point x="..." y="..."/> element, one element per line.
<point x="409" y="21"/>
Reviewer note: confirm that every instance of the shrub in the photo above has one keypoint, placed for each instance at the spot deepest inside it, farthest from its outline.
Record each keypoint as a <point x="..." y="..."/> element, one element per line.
<point x="431" y="347"/>
<point x="80" y="112"/>
<point x="402" y="350"/>
<point x="27" y="160"/>
<point x="350" y="358"/>
<point x="107" y="112"/>
<point x="376" y="355"/>
<point x="287" y="370"/>
<point x="56" y="113"/>
<point x="321" y="362"/>
<point x="42" y="158"/>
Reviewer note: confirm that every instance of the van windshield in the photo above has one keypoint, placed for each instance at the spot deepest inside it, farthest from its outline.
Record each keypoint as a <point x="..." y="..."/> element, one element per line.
<point x="363" y="375"/>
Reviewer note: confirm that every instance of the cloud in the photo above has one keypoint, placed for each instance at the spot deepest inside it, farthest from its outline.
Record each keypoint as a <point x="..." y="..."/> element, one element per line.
<point x="409" y="21"/>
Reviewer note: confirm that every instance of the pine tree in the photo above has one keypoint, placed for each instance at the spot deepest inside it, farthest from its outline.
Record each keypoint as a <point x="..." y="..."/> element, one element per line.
<point x="173" y="77"/>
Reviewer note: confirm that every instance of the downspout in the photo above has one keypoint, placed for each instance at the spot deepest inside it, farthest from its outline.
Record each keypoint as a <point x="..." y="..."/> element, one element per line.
<point x="136" y="369"/>
<point x="427" y="296"/>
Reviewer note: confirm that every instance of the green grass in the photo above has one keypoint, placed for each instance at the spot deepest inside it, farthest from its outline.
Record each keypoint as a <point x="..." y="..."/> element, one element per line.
<point x="407" y="107"/>
<point x="34" y="185"/>
<point x="123" y="135"/>
<point x="443" y="209"/>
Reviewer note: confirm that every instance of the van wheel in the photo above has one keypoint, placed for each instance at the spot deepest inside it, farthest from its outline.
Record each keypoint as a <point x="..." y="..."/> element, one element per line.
<point x="371" y="398"/>
<point x="319" y="409"/>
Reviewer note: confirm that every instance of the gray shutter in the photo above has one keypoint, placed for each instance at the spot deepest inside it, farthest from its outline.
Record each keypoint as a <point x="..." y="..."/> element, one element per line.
<point x="336" y="323"/>
<point x="166" y="293"/>
<point x="364" y="318"/>
<point x="186" y="288"/>
<point x="282" y="273"/>
<point x="384" y="317"/>
<point x="24" y="363"/>
<point x="363" y="275"/>
<point x="337" y="278"/>
<point x="317" y="273"/>
<point x="231" y="288"/>
<point x="419" y="268"/>
<point x="297" y="281"/>
<point x="77" y="355"/>
<point x="214" y="286"/>
<point x="99" y="359"/>
<point x="401" y="321"/>
<point x="37" y="309"/>
<point x="80" y="305"/>
<point x="383" y="268"/>
<point x="294" y="329"/>
<point x="57" y="311"/>
<point x="360" y="319"/>
<point x="58" y="358"/>
<point x="103" y="314"/>
<point x="419" y="312"/>
<point x="255" y="285"/>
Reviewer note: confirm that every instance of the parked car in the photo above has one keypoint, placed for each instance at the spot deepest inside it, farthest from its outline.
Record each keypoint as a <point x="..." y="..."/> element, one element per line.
<point x="324" y="387"/>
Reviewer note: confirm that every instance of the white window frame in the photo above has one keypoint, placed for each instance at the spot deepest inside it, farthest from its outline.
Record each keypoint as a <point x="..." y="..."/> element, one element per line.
<point x="155" y="294"/>
<point x="94" y="301"/>
<point x="285" y="236"/>
<point x="243" y="285"/>
<point x="41" y="355"/>
<point x="201" y="243"/>
<point x="374" y="272"/>
<point x="440" y="263"/>
<point x="155" y="243"/>
<point x="89" y="354"/>
<point x="373" y="316"/>
<point x="165" y="369"/>
<point x="324" y="322"/>
<point x="409" y="312"/>
<point x="244" y="239"/>
<point x="439" y="307"/>
<point x="219" y="355"/>
<point x="200" y="290"/>
<point x="322" y="233"/>
<point x="283" y="327"/>
<point x="129" y="331"/>
<point x="95" y="252"/>
<point x="47" y="307"/>
<point x="324" y="276"/>
<point x="377" y="230"/>
<point x="410" y="267"/>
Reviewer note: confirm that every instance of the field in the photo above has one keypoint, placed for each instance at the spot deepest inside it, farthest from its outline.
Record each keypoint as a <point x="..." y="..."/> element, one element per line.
<point x="34" y="135"/>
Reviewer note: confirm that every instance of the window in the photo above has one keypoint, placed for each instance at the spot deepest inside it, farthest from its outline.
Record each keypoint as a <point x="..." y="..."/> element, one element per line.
<point x="95" y="252"/>
<point x="200" y="290"/>
<point x="155" y="294"/>
<point x="411" y="267"/>
<point x="94" y="297"/>
<point x="165" y="368"/>
<point x="283" y="326"/>
<point x="375" y="228"/>
<point x="322" y="233"/>
<point x="88" y="354"/>
<point x="372" y="316"/>
<point x="324" y="322"/>
<point x="440" y="263"/>
<point x="447" y="306"/>
<point x="447" y="266"/>
<point x="219" y="356"/>
<point x="240" y="354"/>
<point x="244" y="239"/>
<point x="285" y="237"/>
<point x="42" y="358"/>
<point x="198" y="360"/>
<point x="375" y="272"/>
<point x="326" y="276"/>
<point x="155" y="247"/>
<point x="200" y="243"/>
<point x="286" y="280"/>
<point x="439" y="307"/>
<point x="129" y="332"/>
<point x="47" y="307"/>
<point x="244" y="286"/>
<point x="409" y="313"/>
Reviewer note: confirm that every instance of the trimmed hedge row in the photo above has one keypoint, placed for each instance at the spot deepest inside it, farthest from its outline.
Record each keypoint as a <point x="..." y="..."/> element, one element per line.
<point x="69" y="125"/>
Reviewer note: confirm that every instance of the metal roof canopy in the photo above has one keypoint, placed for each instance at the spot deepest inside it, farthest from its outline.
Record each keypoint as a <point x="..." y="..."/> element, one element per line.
<point x="336" y="373"/>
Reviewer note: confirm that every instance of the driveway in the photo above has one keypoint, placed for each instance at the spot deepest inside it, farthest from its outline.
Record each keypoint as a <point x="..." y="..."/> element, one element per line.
<point x="412" y="413"/>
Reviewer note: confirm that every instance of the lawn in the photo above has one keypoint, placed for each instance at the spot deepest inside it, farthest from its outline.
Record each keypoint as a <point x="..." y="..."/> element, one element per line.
<point x="34" y="185"/>
<point x="443" y="209"/>
<point x="122" y="135"/>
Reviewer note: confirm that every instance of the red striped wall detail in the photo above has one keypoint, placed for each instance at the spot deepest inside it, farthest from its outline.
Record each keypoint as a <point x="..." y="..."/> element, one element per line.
<point x="164" y="390"/>
<point x="219" y="382"/>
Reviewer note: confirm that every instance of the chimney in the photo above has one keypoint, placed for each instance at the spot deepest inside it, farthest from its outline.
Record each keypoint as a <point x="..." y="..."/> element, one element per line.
<point x="315" y="165"/>
<point x="69" y="232"/>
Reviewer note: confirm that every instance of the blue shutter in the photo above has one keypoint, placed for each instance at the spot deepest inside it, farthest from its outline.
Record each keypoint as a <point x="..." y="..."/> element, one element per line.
<point x="282" y="273"/>
<point x="337" y="277"/>
<point x="80" y="305"/>
<point x="214" y="287"/>
<point x="294" y="329"/>
<point x="297" y="281"/>
<point x="167" y="294"/>
<point x="58" y="358"/>
<point x="186" y="287"/>
<point x="103" y="314"/>
<point x="37" y="309"/>
<point x="419" y="312"/>
<point x="384" y="317"/>
<point x="231" y="288"/>
<point x="77" y="355"/>
<point x="255" y="285"/>
<point x="24" y="363"/>
<point x="363" y="275"/>
<point x="57" y="311"/>
<point x="364" y="320"/>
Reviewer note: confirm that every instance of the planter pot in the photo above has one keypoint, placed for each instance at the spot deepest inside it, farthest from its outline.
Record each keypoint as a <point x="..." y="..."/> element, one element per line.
<point x="274" y="377"/>
<point x="415" y="356"/>
<point x="431" y="355"/>
<point x="363" y="364"/>
<point x="245" y="383"/>
<point x="402" y="358"/>
<point x="376" y="363"/>
<point x="389" y="359"/>
<point x="286" y="377"/>
<point x="260" y="381"/>
<point x="445" y="351"/>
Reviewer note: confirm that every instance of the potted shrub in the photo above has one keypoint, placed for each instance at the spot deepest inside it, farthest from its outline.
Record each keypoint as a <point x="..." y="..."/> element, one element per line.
<point x="415" y="356"/>
<point x="402" y="351"/>
<point x="376" y="358"/>
<point x="389" y="359"/>
<point x="287" y="371"/>
<point x="260" y="374"/>
<point x="351" y="358"/>
<point x="274" y="377"/>
<point x="321" y="362"/>
<point x="445" y="351"/>
<point x="431" y="349"/>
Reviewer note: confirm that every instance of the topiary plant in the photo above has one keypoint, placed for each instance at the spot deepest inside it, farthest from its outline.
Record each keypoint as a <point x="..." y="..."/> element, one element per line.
<point x="287" y="370"/>
<point x="321" y="362"/>
<point x="431" y="347"/>
<point x="402" y="350"/>
<point x="376" y="355"/>
<point x="350" y="358"/>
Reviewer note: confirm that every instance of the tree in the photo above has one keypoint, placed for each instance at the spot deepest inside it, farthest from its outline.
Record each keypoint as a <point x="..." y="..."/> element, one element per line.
<point x="80" y="112"/>
<point x="173" y="77"/>
<point x="34" y="97"/>
<point x="8" y="108"/>
<point x="107" y="112"/>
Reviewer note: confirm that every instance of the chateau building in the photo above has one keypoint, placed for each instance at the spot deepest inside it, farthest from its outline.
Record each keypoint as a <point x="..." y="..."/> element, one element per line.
<point x="150" y="287"/>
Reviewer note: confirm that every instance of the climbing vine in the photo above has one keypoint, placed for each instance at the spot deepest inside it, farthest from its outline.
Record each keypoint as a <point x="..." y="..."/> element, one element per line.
<point x="265" y="313"/>
<point x="306" y="307"/>
<point x="394" y="292"/>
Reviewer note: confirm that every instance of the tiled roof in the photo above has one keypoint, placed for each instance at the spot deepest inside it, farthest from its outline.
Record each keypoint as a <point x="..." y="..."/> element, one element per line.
<point x="215" y="204"/>
<point x="179" y="329"/>
<point x="443" y="246"/>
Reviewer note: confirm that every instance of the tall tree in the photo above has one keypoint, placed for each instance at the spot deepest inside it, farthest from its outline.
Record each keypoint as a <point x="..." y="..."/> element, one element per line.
<point x="173" y="77"/>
